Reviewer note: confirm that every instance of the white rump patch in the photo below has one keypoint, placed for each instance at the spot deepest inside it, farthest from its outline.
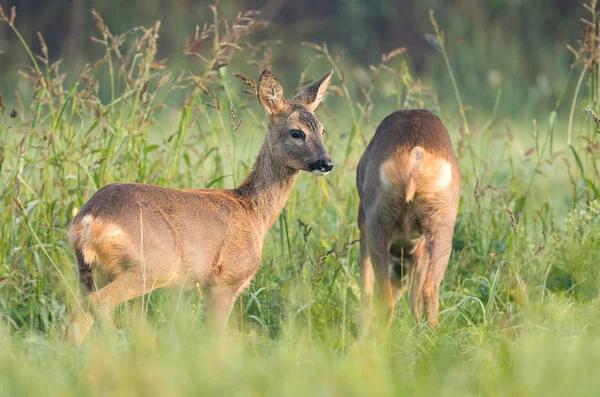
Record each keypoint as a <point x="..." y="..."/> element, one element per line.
<point x="86" y="231"/>
<point x="385" y="182"/>
<point x="93" y="233"/>
<point x="444" y="177"/>
<point x="112" y="231"/>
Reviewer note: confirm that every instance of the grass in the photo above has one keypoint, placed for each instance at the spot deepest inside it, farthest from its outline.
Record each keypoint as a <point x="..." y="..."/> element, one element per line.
<point x="519" y="299"/>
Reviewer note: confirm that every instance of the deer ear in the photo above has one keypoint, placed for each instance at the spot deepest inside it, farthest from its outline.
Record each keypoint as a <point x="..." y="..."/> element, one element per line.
<point x="270" y="93"/>
<point x="312" y="95"/>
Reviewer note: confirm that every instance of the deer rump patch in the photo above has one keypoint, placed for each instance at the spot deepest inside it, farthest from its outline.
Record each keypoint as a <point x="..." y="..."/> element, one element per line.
<point x="99" y="242"/>
<point x="415" y="173"/>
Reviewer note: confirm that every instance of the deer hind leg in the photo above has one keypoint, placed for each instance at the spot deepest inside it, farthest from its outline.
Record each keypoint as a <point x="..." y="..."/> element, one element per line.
<point x="399" y="288"/>
<point x="367" y="275"/>
<point x="440" y="247"/>
<point x="102" y="302"/>
<point x="81" y="324"/>
<point x="401" y="263"/>
<point x="81" y="320"/>
<point x="379" y="231"/>
<point x="418" y="274"/>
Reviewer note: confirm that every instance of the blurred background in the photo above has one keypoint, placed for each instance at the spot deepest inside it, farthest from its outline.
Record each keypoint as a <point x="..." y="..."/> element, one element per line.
<point x="520" y="297"/>
<point x="492" y="44"/>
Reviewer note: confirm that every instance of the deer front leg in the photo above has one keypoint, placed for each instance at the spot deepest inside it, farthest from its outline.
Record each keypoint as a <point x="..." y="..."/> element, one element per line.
<point x="232" y="276"/>
<point x="219" y="301"/>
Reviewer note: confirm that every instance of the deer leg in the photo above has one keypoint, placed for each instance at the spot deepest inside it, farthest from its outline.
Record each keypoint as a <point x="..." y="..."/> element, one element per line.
<point x="379" y="243"/>
<point x="399" y="288"/>
<point x="440" y="248"/>
<point x="81" y="324"/>
<point x="367" y="276"/>
<point x="219" y="301"/>
<point x="399" y="270"/>
<point x="124" y="287"/>
<point x="418" y="273"/>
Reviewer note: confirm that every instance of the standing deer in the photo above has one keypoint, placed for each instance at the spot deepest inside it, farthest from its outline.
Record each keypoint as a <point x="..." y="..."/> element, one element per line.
<point x="409" y="187"/>
<point x="146" y="237"/>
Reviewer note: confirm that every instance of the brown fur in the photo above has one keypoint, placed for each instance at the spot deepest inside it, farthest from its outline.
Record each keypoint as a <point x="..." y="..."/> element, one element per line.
<point x="146" y="237"/>
<point x="409" y="187"/>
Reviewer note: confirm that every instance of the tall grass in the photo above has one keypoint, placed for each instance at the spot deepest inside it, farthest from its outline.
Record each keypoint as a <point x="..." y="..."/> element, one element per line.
<point x="519" y="300"/>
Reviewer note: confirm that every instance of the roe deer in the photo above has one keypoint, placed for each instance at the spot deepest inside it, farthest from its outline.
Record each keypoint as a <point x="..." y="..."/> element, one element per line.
<point x="409" y="187"/>
<point x="146" y="237"/>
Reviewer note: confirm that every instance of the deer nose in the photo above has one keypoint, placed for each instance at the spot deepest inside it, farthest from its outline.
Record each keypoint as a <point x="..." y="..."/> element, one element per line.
<point x="321" y="166"/>
<point x="326" y="165"/>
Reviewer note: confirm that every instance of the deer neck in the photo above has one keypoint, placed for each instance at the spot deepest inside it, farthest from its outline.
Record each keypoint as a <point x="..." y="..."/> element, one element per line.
<point x="268" y="187"/>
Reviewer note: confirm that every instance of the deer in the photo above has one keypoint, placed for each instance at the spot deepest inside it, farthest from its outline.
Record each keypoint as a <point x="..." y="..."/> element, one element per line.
<point x="143" y="237"/>
<point x="408" y="184"/>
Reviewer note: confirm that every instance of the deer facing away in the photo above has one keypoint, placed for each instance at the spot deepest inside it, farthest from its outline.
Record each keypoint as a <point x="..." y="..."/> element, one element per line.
<point x="409" y="187"/>
<point x="145" y="237"/>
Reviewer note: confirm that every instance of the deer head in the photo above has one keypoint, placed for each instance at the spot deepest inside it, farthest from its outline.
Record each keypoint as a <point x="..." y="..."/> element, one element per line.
<point x="295" y="136"/>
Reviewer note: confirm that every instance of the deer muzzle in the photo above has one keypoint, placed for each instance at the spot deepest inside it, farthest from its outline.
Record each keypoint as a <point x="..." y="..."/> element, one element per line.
<point x="321" y="166"/>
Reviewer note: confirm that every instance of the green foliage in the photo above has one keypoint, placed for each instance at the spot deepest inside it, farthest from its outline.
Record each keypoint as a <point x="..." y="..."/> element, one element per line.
<point x="573" y="255"/>
<point x="519" y="299"/>
<point x="517" y="47"/>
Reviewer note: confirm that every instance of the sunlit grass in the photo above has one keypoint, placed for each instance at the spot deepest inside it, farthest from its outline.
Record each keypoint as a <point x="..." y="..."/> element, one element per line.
<point x="519" y="300"/>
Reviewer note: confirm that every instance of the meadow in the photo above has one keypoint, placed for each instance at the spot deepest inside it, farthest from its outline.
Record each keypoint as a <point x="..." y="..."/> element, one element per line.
<point x="519" y="301"/>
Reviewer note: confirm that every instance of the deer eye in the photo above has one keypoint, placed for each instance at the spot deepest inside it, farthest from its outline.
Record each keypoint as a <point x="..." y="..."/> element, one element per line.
<point x="297" y="134"/>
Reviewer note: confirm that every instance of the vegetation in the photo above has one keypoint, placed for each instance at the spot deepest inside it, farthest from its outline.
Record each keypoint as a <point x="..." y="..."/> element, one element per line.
<point x="513" y="46"/>
<point x="519" y="300"/>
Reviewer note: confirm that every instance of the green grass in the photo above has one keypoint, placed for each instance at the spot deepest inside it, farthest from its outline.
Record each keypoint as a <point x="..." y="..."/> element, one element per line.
<point x="519" y="300"/>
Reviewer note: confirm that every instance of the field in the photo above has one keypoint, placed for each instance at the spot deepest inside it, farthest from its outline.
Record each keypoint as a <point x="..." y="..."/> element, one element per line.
<point x="519" y="303"/>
